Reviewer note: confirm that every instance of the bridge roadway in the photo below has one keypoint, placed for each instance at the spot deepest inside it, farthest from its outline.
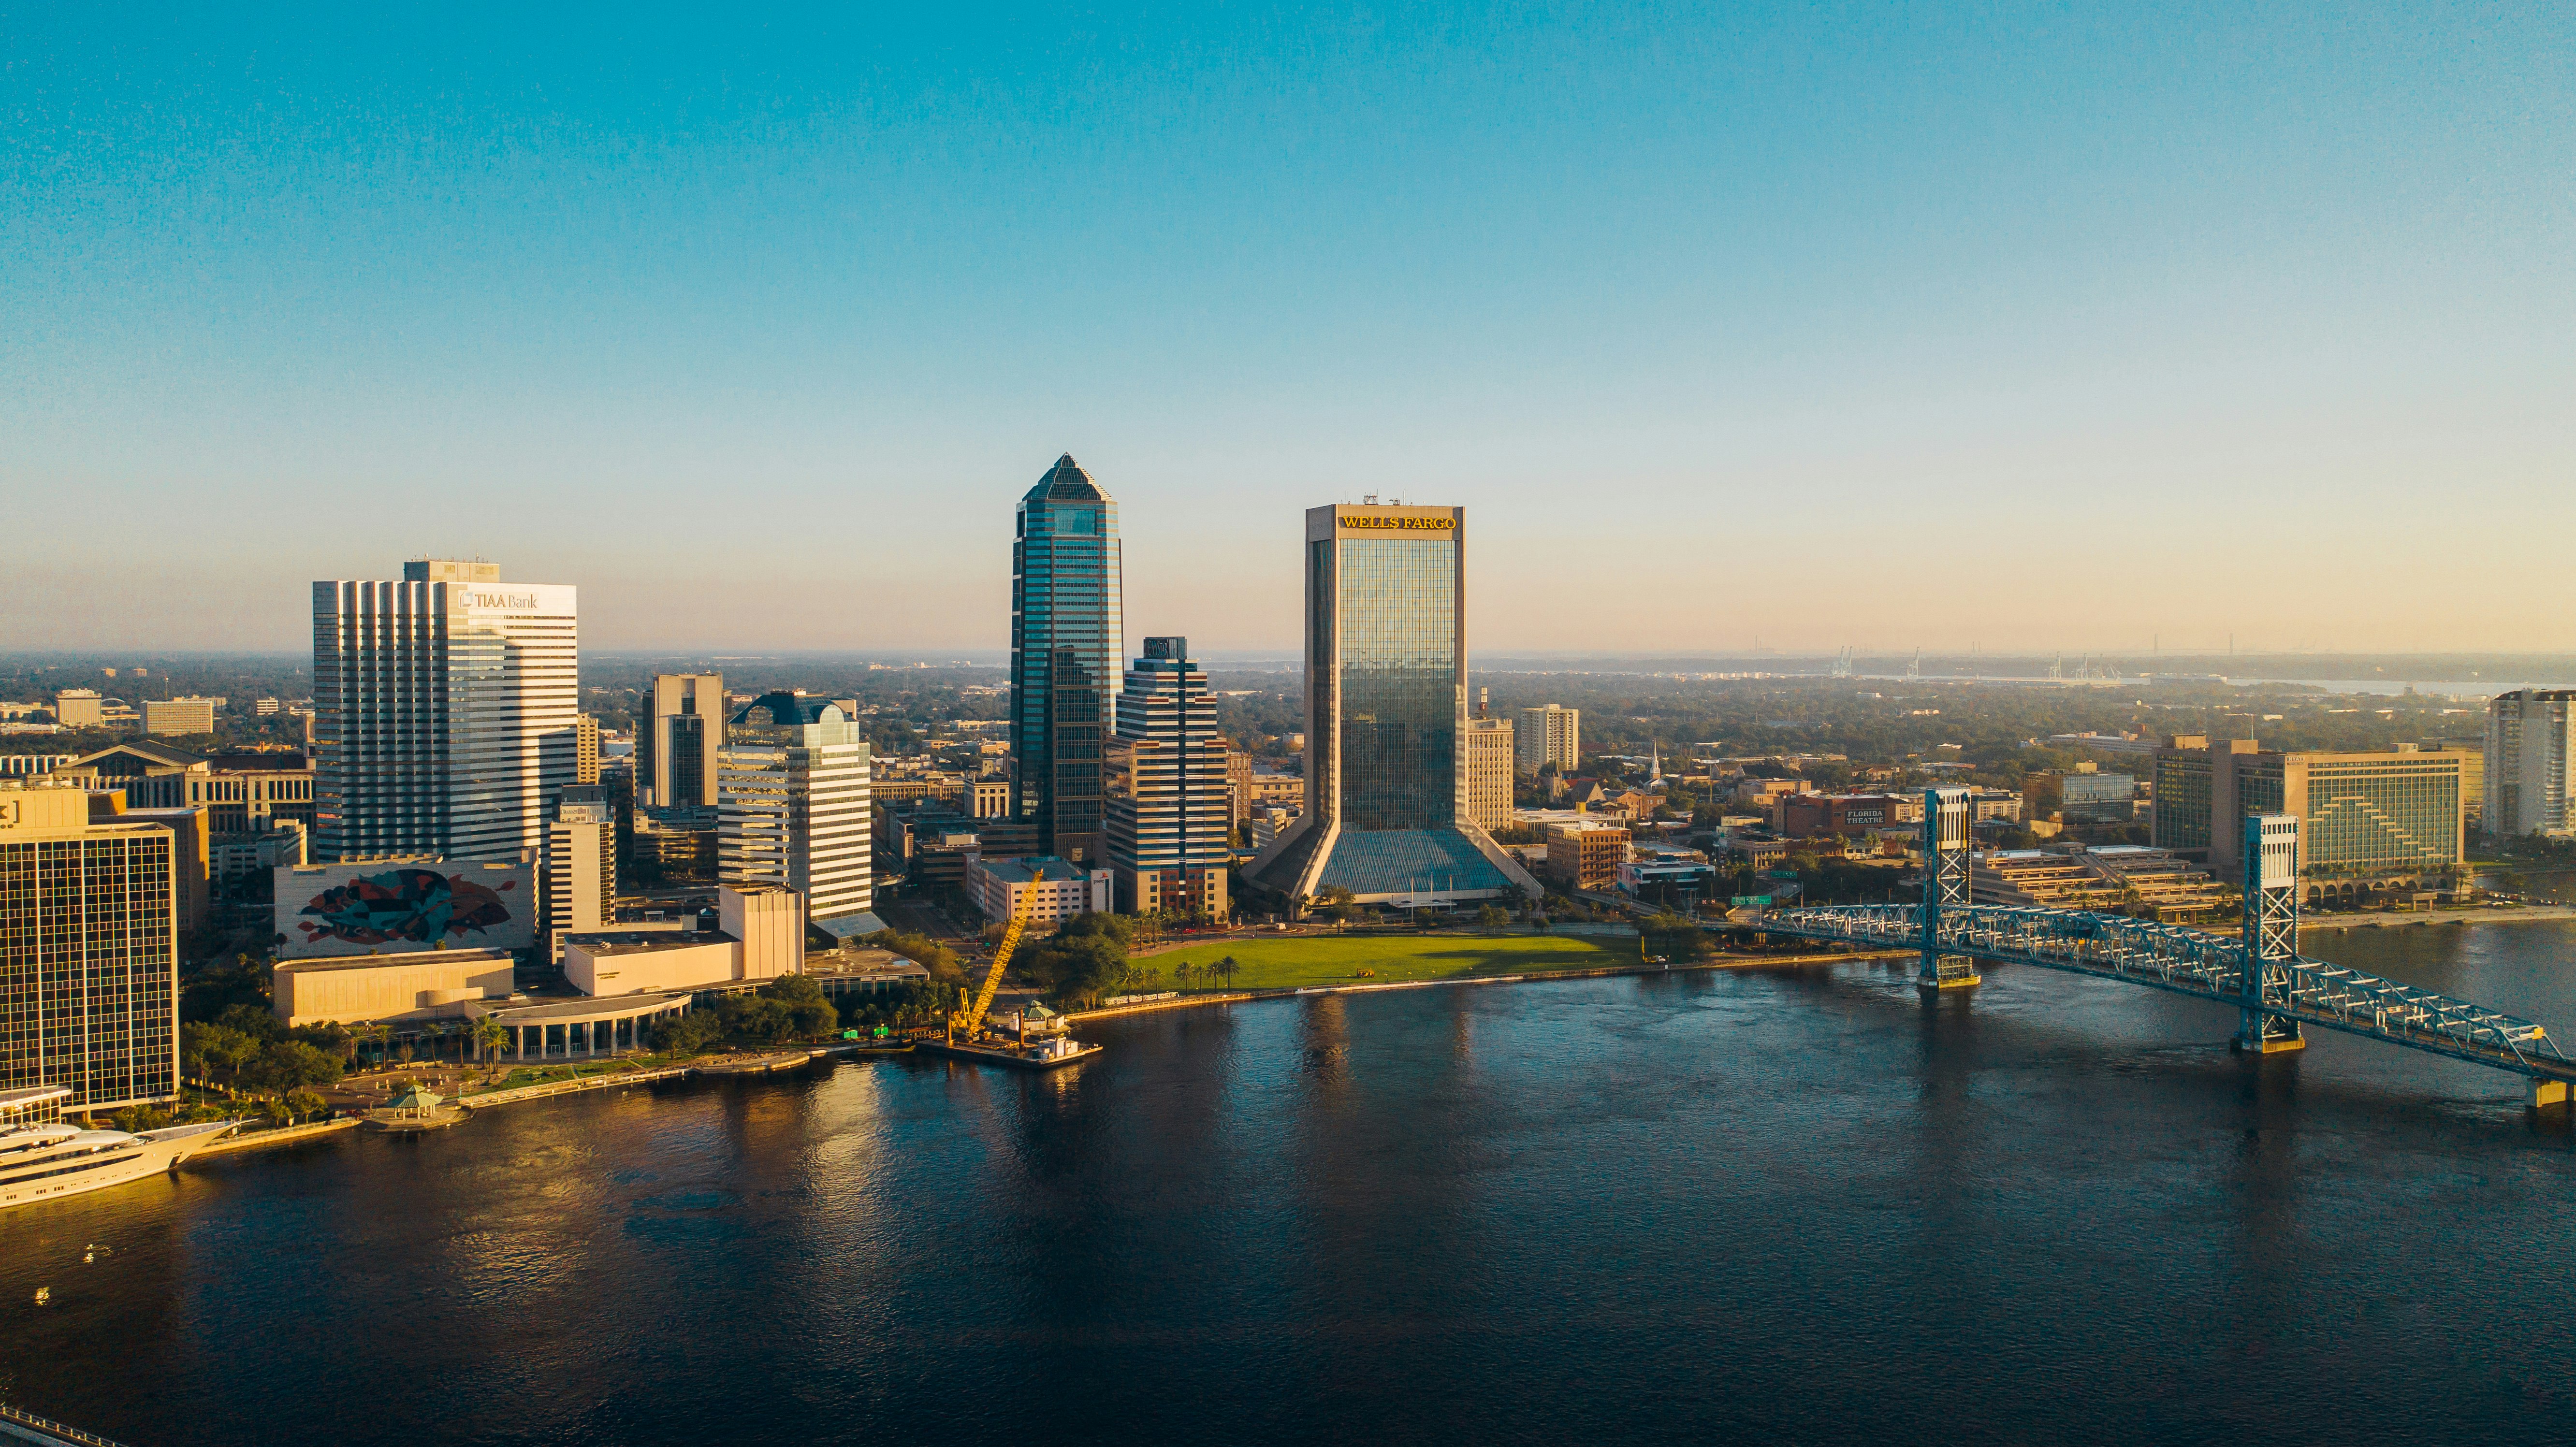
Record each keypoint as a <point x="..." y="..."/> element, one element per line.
<point x="2208" y="967"/>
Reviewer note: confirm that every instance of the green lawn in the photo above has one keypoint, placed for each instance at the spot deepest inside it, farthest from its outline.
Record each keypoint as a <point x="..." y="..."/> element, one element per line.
<point x="1337" y="959"/>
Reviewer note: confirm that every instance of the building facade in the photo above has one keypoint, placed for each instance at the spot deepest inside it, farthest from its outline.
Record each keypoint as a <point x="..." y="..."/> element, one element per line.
<point x="676" y="741"/>
<point x="1386" y="813"/>
<point x="1491" y="766"/>
<point x="1586" y="855"/>
<point x="2097" y="798"/>
<point x="1169" y="788"/>
<point x="581" y="868"/>
<point x="178" y="716"/>
<point x="1804" y="816"/>
<point x="1055" y="890"/>
<point x="792" y="787"/>
<point x="1066" y="601"/>
<point x="444" y="708"/>
<point x="2367" y="821"/>
<point x="1549" y="735"/>
<point x="2531" y="734"/>
<point x="89" y="951"/>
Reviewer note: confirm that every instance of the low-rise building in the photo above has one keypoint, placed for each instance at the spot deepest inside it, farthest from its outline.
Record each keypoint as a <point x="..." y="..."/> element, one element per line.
<point x="179" y="715"/>
<point x="364" y="989"/>
<point x="1056" y="889"/>
<point x="2133" y="879"/>
<point x="2087" y="797"/>
<point x="1806" y="815"/>
<point x="1666" y="878"/>
<point x="760" y="936"/>
<point x="1586" y="855"/>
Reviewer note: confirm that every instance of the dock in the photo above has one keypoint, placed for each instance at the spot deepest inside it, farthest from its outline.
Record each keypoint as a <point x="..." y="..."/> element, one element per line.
<point x="23" y="1426"/>
<point x="1014" y="1058"/>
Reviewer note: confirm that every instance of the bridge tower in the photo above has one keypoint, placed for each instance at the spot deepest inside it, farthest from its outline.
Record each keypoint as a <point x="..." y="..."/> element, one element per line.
<point x="1945" y="885"/>
<point x="2271" y="930"/>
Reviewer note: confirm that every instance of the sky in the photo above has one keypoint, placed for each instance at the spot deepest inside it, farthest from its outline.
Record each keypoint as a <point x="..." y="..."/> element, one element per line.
<point x="2093" y="328"/>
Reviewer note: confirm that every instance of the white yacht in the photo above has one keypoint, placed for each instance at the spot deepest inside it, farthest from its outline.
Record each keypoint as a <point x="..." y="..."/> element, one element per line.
<point x="46" y="1160"/>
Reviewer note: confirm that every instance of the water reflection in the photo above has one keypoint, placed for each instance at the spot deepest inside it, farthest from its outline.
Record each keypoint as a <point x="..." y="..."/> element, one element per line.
<point x="1793" y="1203"/>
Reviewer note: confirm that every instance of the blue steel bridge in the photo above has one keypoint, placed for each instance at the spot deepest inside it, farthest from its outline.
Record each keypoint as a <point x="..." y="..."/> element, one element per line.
<point x="2276" y="990"/>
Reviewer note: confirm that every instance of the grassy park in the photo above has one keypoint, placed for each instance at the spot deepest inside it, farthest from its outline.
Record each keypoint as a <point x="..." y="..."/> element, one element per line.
<point x="1272" y="964"/>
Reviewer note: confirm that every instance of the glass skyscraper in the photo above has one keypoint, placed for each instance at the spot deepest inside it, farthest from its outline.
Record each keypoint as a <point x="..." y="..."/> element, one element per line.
<point x="1066" y="648"/>
<point x="1386" y="702"/>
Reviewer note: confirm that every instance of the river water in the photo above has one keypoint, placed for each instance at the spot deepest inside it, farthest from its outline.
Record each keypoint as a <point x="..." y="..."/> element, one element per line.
<point x="1794" y="1205"/>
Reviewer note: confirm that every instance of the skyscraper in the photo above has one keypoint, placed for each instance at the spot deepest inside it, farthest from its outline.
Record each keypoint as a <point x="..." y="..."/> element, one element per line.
<point x="1065" y="645"/>
<point x="1170" y="820"/>
<point x="792" y="791"/>
<point x="677" y="739"/>
<point x="1386" y="702"/>
<point x="2531" y="740"/>
<point x="89" y="951"/>
<point x="444" y="708"/>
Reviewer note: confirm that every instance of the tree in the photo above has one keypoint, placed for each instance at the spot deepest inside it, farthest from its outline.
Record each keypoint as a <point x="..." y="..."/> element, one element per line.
<point x="1492" y="916"/>
<point x="490" y="1035"/>
<point x="807" y="1010"/>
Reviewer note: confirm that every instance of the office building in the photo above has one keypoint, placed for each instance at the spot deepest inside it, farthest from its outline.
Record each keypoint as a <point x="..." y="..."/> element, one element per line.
<point x="89" y="951"/>
<point x="2096" y="798"/>
<point x="444" y="707"/>
<point x="1168" y="789"/>
<point x="1586" y="854"/>
<point x="984" y="798"/>
<point x="792" y="798"/>
<point x="2368" y="822"/>
<point x="1065" y="647"/>
<point x="581" y="868"/>
<point x="585" y="749"/>
<point x="80" y="708"/>
<point x="171" y="716"/>
<point x="1386" y="700"/>
<point x="245" y="792"/>
<point x="676" y="741"/>
<point x="2531" y="737"/>
<point x="1238" y="784"/>
<point x="677" y="845"/>
<point x="1053" y="889"/>
<point x="1491" y="765"/>
<point x="1550" y="735"/>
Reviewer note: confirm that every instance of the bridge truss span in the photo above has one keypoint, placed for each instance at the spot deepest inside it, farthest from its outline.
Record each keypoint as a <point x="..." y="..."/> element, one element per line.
<point x="2205" y="966"/>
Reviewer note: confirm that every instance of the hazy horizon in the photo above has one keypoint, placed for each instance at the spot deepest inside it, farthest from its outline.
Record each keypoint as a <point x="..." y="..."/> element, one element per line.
<point x="2016" y="330"/>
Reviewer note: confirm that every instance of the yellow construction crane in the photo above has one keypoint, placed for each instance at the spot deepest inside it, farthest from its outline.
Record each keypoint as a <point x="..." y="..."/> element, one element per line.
<point x="967" y="1021"/>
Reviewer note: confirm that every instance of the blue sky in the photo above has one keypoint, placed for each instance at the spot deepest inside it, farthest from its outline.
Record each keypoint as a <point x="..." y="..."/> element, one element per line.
<point x="2041" y="326"/>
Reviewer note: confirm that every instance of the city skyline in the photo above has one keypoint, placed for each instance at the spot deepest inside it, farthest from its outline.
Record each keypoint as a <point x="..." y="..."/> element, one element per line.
<point x="2263" y="309"/>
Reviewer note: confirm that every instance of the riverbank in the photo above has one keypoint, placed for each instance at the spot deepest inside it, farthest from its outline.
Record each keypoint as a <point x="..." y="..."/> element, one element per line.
<point x="1362" y="987"/>
<point x="2503" y="914"/>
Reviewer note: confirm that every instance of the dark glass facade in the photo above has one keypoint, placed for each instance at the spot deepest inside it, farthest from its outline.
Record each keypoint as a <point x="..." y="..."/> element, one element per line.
<point x="1066" y="644"/>
<point x="1399" y="684"/>
<point x="1386" y="676"/>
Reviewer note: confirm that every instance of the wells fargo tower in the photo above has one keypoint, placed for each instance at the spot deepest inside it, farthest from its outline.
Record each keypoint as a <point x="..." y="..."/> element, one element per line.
<point x="1386" y="704"/>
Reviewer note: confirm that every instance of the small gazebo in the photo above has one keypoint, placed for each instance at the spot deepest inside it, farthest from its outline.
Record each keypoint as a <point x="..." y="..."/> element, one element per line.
<point x="415" y="1100"/>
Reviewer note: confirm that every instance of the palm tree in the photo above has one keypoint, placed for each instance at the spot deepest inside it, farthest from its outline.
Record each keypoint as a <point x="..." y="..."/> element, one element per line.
<point x="489" y="1036"/>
